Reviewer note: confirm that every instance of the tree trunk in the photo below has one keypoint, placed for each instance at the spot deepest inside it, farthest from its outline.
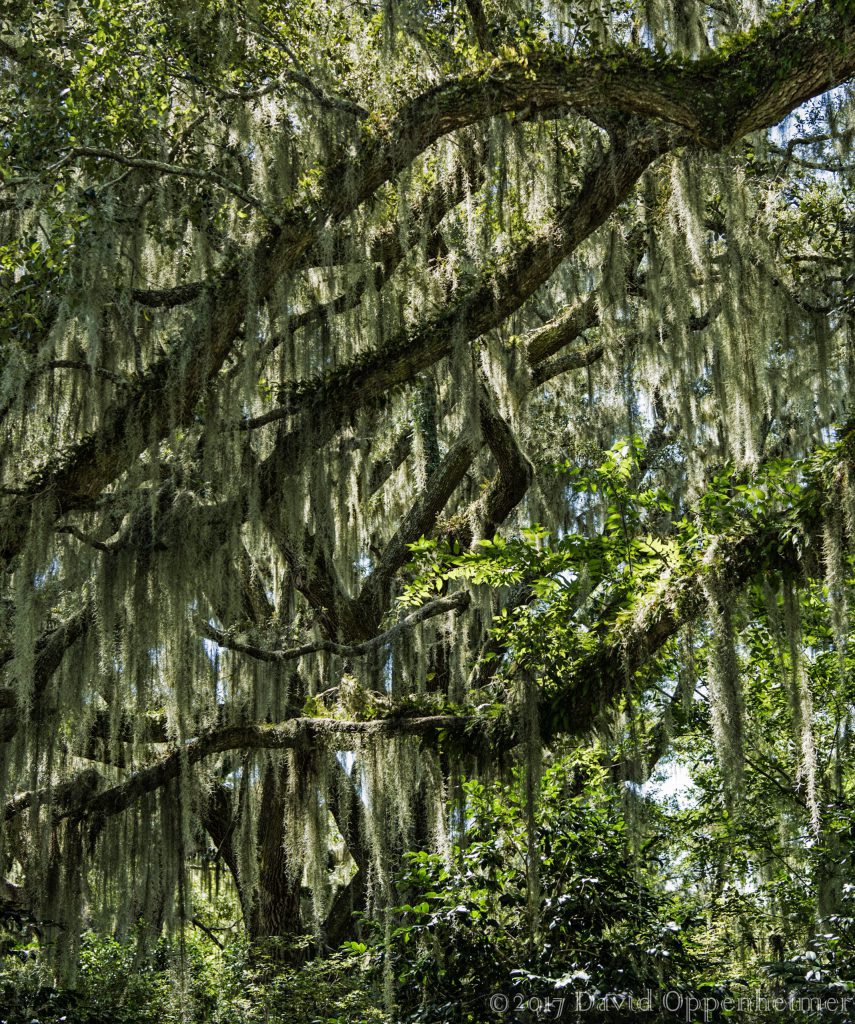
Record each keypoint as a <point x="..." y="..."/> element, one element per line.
<point x="276" y="910"/>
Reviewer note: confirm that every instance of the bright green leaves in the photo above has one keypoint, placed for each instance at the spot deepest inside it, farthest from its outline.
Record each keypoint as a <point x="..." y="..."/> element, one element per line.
<point x="568" y="589"/>
<point x="603" y="924"/>
<point x="555" y="598"/>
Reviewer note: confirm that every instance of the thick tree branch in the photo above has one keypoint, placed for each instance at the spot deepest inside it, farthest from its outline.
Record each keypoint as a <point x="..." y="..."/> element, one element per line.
<point x="480" y="25"/>
<point x="714" y="100"/>
<point x="323" y="406"/>
<point x="565" y="362"/>
<point x="295" y="734"/>
<point x="515" y="471"/>
<point x="563" y="329"/>
<point x="418" y="522"/>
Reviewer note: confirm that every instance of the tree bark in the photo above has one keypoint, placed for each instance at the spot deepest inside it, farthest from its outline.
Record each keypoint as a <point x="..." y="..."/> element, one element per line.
<point x="276" y="910"/>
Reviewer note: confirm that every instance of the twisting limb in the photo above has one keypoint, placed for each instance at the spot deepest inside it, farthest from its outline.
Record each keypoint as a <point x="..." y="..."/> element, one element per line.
<point x="456" y="602"/>
<point x="515" y="471"/>
<point x="713" y="101"/>
<point x="494" y="298"/>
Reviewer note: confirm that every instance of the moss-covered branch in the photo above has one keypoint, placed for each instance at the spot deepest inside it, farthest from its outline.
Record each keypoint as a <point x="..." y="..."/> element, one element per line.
<point x="752" y="83"/>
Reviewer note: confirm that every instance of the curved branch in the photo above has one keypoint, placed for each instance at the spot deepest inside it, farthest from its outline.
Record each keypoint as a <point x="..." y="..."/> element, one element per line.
<point x="713" y="100"/>
<point x="515" y="471"/>
<point x="456" y="602"/>
<point x="296" y="734"/>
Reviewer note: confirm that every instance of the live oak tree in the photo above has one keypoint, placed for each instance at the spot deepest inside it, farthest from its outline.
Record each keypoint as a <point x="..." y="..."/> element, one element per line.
<point x="295" y="293"/>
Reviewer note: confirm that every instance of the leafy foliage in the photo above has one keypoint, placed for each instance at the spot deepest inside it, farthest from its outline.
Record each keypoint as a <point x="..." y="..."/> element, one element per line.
<point x="570" y="908"/>
<point x="395" y="392"/>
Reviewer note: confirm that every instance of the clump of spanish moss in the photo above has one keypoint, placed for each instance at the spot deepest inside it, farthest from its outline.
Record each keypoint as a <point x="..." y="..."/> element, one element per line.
<point x="801" y="703"/>
<point x="725" y="688"/>
<point x="244" y="372"/>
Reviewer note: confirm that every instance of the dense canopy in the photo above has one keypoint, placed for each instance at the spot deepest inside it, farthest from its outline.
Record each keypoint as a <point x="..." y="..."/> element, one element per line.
<point x="392" y="391"/>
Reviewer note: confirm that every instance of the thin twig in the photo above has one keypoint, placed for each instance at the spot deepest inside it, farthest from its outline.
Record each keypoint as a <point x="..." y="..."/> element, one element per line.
<point x="161" y="166"/>
<point x="456" y="602"/>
